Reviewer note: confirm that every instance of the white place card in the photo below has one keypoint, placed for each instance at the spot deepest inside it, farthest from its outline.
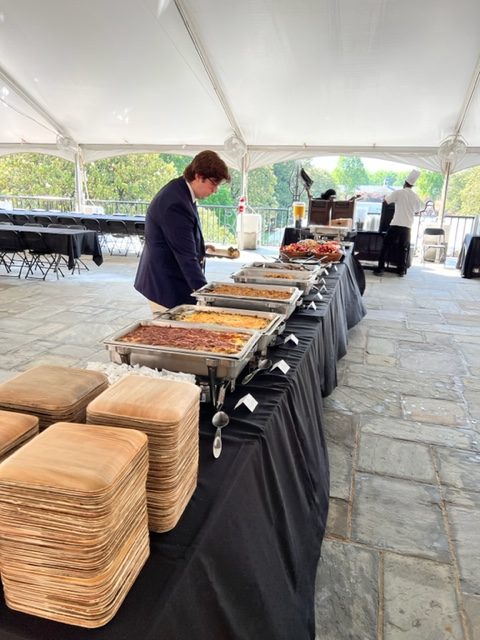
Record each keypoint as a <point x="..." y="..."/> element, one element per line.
<point x="249" y="401"/>
<point x="312" y="305"/>
<point x="291" y="338"/>
<point x="335" y="267"/>
<point x="324" y="288"/>
<point x="319" y="295"/>
<point x="282" y="365"/>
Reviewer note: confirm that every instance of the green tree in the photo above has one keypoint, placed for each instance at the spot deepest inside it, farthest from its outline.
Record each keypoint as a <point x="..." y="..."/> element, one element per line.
<point x="322" y="180"/>
<point x="261" y="187"/>
<point x="131" y="177"/>
<point x="429" y="185"/>
<point x="388" y="178"/>
<point x="465" y="186"/>
<point x="350" y="174"/>
<point x="284" y="174"/>
<point x="33" y="174"/>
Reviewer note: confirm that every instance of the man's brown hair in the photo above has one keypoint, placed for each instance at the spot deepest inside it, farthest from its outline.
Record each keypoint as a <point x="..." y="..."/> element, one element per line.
<point x="208" y="165"/>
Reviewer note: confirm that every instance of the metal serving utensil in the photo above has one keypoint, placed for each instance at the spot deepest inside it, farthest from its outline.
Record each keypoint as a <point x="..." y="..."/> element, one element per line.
<point x="264" y="364"/>
<point x="220" y="419"/>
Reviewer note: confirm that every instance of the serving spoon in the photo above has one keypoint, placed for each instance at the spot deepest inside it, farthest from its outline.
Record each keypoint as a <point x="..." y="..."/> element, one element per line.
<point x="220" y="419"/>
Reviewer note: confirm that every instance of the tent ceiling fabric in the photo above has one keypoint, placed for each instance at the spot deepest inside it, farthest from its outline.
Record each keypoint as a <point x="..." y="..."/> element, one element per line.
<point x="292" y="78"/>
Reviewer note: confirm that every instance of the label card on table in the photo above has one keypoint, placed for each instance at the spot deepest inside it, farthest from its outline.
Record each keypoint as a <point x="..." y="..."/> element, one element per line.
<point x="249" y="401"/>
<point x="323" y="281"/>
<point x="291" y="338"/>
<point x="324" y="288"/>
<point x="282" y="365"/>
<point x="312" y="305"/>
<point x="319" y="295"/>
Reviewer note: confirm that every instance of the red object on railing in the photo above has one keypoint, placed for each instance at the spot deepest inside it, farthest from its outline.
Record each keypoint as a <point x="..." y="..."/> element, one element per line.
<point x="241" y="204"/>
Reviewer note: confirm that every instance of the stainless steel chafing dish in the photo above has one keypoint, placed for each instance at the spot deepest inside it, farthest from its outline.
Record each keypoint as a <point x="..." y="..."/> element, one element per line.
<point x="275" y="322"/>
<point x="199" y="363"/>
<point x="286" y="266"/>
<point x="208" y="296"/>
<point x="304" y="280"/>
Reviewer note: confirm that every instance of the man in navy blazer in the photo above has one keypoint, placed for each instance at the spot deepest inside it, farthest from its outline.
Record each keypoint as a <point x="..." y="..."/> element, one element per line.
<point x="171" y="264"/>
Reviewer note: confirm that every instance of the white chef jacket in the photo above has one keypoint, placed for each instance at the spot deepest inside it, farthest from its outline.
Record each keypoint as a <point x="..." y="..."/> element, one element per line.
<point x="407" y="203"/>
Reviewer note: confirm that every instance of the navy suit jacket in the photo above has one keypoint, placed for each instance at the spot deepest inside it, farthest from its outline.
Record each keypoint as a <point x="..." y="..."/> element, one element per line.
<point x="170" y="266"/>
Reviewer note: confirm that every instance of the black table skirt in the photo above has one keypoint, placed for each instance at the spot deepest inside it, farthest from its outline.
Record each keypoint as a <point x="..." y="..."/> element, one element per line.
<point x="47" y="217"/>
<point x="469" y="258"/>
<point x="241" y="562"/>
<point x="72" y="243"/>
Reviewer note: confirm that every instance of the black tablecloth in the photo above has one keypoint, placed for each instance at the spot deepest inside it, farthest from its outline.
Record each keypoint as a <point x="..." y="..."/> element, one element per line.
<point x="241" y="562"/>
<point x="46" y="217"/>
<point x="72" y="243"/>
<point x="469" y="258"/>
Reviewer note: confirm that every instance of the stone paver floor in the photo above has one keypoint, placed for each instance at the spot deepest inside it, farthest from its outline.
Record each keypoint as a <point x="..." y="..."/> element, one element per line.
<point x="401" y="557"/>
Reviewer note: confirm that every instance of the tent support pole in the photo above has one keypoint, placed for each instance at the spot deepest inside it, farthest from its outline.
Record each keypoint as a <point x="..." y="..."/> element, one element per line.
<point x="443" y="201"/>
<point x="79" y="173"/>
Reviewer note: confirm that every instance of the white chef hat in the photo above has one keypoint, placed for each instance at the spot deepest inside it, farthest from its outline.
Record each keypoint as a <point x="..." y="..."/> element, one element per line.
<point x="412" y="176"/>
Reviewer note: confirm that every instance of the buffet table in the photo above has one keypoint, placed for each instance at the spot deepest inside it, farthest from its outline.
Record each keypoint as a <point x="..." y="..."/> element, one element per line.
<point x="241" y="562"/>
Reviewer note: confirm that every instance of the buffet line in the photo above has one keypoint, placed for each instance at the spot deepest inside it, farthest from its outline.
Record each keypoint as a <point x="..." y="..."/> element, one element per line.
<point x="91" y="491"/>
<point x="232" y="325"/>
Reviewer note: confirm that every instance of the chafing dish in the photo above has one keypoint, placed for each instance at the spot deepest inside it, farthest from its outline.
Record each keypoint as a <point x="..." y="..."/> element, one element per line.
<point x="303" y="280"/>
<point x="200" y="363"/>
<point x="275" y="322"/>
<point x="208" y="296"/>
<point x="289" y="266"/>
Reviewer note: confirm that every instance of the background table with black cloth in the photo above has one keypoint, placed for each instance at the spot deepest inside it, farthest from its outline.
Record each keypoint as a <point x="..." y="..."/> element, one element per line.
<point x="46" y="217"/>
<point x="72" y="243"/>
<point x="241" y="562"/>
<point x="469" y="258"/>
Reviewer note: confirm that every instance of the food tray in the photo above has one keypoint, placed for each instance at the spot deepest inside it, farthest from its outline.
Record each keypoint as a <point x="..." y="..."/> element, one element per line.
<point x="207" y="296"/>
<point x="289" y="266"/>
<point x="177" y="359"/>
<point x="304" y="280"/>
<point x="275" y="326"/>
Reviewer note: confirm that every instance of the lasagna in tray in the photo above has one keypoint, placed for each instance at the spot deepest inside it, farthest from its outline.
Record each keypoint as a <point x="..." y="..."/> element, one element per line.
<point x="250" y="292"/>
<point x="226" y="342"/>
<point x="224" y="318"/>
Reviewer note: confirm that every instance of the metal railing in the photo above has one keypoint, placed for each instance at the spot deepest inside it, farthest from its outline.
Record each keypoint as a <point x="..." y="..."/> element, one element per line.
<point x="220" y="222"/>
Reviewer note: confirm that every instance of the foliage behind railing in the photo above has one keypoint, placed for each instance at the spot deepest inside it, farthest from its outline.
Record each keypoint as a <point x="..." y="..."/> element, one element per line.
<point x="219" y="222"/>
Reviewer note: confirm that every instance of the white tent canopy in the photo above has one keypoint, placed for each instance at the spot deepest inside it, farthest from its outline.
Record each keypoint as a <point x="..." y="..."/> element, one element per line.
<point x="289" y="78"/>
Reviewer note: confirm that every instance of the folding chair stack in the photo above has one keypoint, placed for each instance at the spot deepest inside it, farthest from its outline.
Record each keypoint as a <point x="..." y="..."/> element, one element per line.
<point x="52" y="393"/>
<point x="168" y="412"/>
<point x="73" y="522"/>
<point x="15" y="430"/>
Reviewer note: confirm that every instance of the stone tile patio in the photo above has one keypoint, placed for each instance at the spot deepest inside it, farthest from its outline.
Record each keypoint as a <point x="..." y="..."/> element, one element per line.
<point x="401" y="556"/>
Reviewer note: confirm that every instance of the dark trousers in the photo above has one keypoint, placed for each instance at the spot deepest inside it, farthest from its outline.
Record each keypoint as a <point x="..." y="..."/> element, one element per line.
<point x="395" y="248"/>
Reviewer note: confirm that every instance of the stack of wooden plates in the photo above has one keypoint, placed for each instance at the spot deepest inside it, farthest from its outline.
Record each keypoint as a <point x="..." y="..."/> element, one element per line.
<point x="15" y="430"/>
<point x="168" y="412"/>
<point x="53" y="394"/>
<point x="73" y="522"/>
